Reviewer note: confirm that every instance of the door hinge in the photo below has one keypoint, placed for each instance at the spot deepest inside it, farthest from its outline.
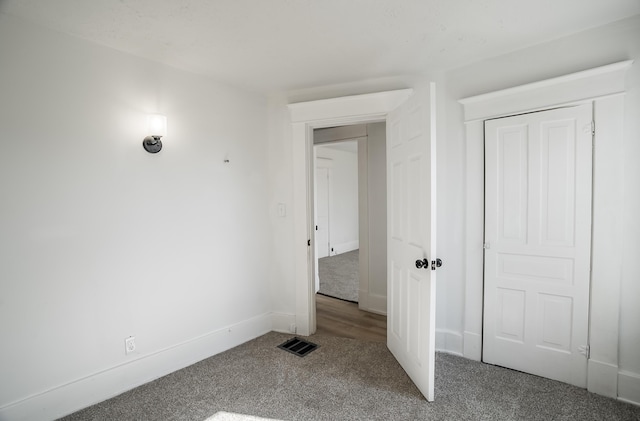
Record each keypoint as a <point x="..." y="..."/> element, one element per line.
<point x="585" y="350"/>
<point x="486" y="246"/>
<point x="593" y="128"/>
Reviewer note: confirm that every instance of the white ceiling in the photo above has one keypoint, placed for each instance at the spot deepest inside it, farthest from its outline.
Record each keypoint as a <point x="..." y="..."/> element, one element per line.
<point x="281" y="45"/>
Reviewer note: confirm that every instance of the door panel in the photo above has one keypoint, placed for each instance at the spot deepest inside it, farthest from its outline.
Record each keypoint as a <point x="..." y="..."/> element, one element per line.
<point x="395" y="320"/>
<point x="554" y="322"/>
<point x="538" y="240"/>
<point x="411" y="237"/>
<point x="510" y="321"/>
<point x="512" y="197"/>
<point x="557" y="176"/>
<point x="397" y="200"/>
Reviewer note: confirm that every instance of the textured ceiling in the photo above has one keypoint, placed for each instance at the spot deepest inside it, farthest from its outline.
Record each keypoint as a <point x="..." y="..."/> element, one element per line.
<point x="280" y="45"/>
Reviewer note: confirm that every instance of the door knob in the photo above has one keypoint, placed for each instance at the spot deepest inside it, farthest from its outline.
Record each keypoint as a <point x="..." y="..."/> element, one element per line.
<point x="436" y="264"/>
<point x="424" y="263"/>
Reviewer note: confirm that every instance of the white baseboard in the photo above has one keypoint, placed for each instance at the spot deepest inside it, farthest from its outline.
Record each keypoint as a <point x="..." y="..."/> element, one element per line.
<point x="80" y="393"/>
<point x="283" y="322"/>
<point x="449" y="341"/>
<point x="472" y="347"/>
<point x="602" y="378"/>
<point x="345" y="247"/>
<point x="629" y="387"/>
<point x="372" y="303"/>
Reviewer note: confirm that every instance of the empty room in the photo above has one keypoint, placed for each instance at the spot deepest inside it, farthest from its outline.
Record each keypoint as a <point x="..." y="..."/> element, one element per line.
<point x="160" y="227"/>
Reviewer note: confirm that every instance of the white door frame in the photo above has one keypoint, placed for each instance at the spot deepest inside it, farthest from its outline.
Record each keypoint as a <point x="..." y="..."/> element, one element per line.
<point x="305" y="117"/>
<point x="323" y="163"/>
<point x="604" y="87"/>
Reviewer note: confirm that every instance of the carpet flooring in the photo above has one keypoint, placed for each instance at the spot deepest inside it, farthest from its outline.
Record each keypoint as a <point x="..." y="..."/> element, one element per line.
<point x="339" y="276"/>
<point x="347" y="379"/>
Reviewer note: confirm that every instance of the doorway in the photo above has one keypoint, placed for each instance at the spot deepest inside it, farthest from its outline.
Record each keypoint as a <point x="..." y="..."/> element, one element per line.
<point x="337" y="218"/>
<point x="538" y="242"/>
<point x="350" y="197"/>
<point x="350" y="164"/>
<point x="411" y="204"/>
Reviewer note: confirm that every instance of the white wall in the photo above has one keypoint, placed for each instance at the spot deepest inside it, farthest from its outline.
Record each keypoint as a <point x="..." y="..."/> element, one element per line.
<point x="282" y="246"/>
<point x="100" y="240"/>
<point x="372" y="172"/>
<point x="377" y="208"/>
<point x="343" y="198"/>
<point x="593" y="48"/>
<point x="629" y="362"/>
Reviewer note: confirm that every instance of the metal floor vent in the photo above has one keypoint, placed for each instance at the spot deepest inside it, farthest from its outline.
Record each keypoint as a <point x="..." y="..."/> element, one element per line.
<point x="298" y="347"/>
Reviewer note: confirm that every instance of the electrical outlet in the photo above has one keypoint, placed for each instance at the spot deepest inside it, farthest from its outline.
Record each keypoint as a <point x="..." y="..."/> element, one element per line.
<point x="129" y="345"/>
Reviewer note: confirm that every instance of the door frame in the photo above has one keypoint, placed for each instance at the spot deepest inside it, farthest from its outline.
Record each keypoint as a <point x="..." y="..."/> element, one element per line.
<point x="604" y="87"/>
<point x="305" y="117"/>
<point x="326" y="163"/>
<point x="367" y="300"/>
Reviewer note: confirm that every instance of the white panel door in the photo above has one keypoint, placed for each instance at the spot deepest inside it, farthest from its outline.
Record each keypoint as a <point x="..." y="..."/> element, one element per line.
<point x="537" y="242"/>
<point x="411" y="237"/>
<point x="322" y="211"/>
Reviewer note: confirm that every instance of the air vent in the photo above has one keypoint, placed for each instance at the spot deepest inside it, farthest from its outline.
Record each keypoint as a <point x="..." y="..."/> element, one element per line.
<point x="298" y="347"/>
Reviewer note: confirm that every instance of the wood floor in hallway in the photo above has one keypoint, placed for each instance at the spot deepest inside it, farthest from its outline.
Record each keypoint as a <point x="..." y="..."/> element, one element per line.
<point x="344" y="319"/>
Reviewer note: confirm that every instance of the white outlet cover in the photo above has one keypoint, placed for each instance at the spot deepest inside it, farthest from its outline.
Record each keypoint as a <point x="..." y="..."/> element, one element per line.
<point x="129" y="345"/>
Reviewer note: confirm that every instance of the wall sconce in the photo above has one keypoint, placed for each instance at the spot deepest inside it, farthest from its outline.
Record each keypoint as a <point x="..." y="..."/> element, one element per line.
<point x="156" y="127"/>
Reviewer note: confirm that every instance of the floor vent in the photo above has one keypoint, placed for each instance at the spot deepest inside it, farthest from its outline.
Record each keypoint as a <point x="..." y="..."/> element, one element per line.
<point x="298" y="347"/>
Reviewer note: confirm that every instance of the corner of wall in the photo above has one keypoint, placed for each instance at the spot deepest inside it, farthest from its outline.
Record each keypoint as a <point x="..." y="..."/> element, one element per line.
<point x="283" y="322"/>
<point x="449" y="342"/>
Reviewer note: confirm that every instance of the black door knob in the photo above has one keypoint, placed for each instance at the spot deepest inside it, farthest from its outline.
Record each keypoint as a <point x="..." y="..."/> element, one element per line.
<point x="436" y="264"/>
<point x="424" y="263"/>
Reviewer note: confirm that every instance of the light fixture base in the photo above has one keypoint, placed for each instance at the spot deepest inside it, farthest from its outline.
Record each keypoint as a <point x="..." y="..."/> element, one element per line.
<point x="152" y="144"/>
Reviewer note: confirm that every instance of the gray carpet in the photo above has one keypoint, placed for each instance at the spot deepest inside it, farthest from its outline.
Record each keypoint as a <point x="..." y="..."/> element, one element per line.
<point x="339" y="276"/>
<point x="346" y="379"/>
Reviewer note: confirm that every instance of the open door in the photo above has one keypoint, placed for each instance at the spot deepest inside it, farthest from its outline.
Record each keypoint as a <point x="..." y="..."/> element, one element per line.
<point x="411" y="253"/>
